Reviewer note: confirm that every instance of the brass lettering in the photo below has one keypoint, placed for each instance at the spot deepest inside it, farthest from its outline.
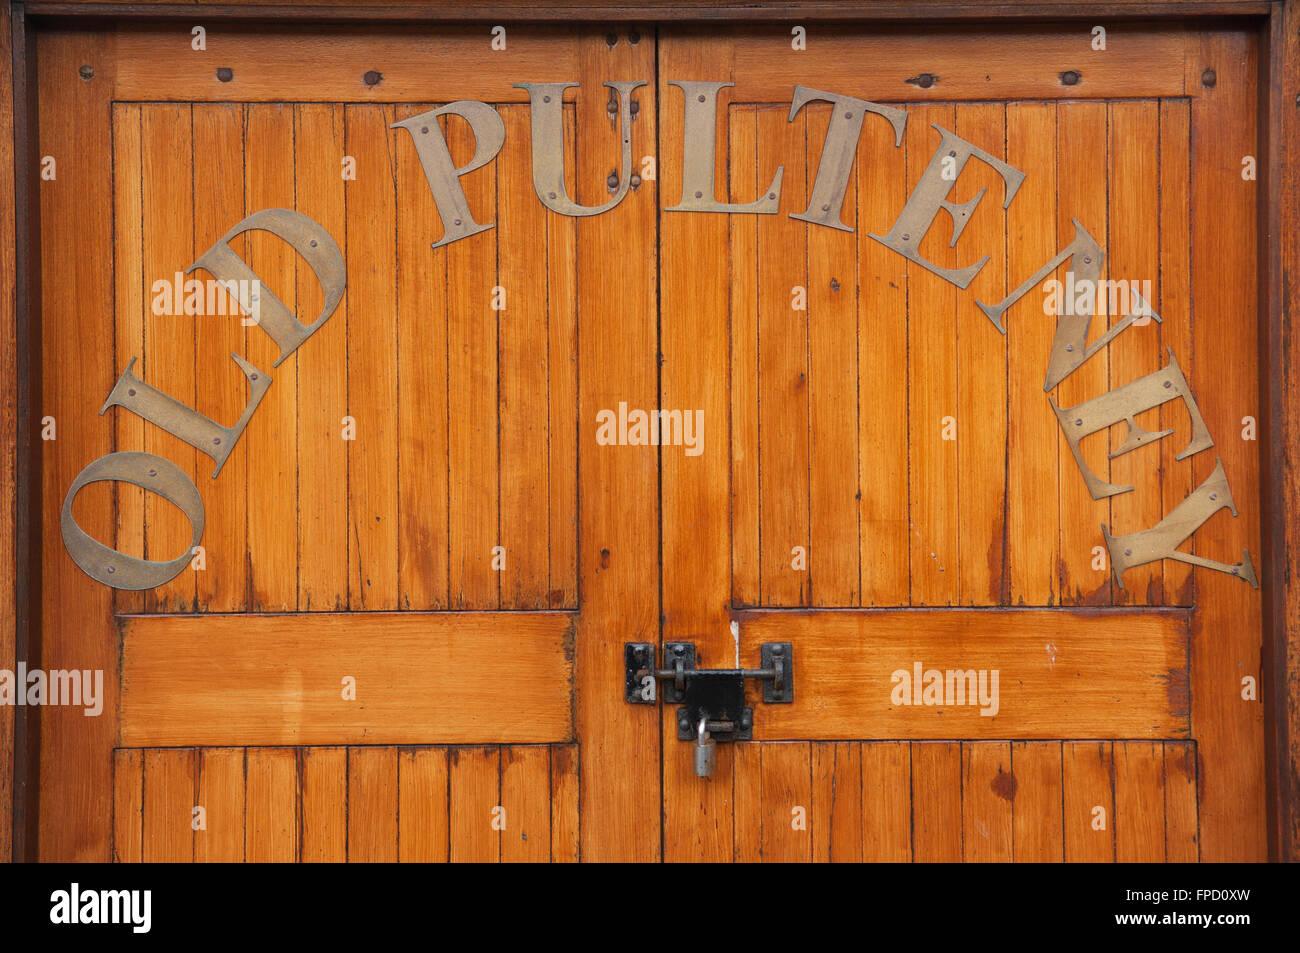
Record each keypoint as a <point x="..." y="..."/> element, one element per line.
<point x="149" y="472"/>
<point x="547" y="112"/>
<point x="699" y="151"/>
<point x="1070" y="348"/>
<point x="443" y="176"/>
<point x="1125" y="403"/>
<point x="1162" y="540"/>
<point x="839" y="149"/>
<point x="310" y="241"/>
<point x="202" y="433"/>
<point x="929" y="197"/>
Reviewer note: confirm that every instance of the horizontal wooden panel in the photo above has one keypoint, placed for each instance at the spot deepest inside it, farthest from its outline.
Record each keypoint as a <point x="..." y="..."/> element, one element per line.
<point x="278" y="679"/>
<point x="782" y="11"/>
<point x="330" y="65"/>
<point x="1013" y="63"/>
<point x="1105" y="673"/>
<point x="440" y="65"/>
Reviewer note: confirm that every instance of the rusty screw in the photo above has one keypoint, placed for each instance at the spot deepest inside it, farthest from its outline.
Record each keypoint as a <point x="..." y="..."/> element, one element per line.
<point x="225" y="74"/>
<point x="1070" y="78"/>
<point x="372" y="78"/>
<point x="1208" y="79"/>
<point x="87" y="73"/>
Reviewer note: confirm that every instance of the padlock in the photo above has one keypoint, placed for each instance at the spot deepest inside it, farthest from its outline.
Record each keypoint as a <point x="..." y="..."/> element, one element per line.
<point x="706" y="751"/>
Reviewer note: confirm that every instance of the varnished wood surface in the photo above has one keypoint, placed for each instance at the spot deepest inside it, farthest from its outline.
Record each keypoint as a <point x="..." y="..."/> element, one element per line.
<point x="280" y="679"/>
<point x="9" y="428"/>
<point x="497" y="803"/>
<point x="823" y="431"/>
<point x="1059" y="673"/>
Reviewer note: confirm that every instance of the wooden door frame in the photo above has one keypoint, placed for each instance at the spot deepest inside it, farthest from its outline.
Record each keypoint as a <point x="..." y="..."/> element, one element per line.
<point x="1278" y="25"/>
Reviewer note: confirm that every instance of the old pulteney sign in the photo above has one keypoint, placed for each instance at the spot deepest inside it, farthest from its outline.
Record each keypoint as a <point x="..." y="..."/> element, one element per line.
<point x="1070" y="348"/>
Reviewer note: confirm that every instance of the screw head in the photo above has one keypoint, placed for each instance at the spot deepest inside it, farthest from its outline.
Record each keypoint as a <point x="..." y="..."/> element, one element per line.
<point x="87" y="72"/>
<point x="225" y="74"/>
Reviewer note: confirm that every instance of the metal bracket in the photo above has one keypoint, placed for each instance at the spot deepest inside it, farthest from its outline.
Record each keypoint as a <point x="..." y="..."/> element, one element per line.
<point x="715" y="696"/>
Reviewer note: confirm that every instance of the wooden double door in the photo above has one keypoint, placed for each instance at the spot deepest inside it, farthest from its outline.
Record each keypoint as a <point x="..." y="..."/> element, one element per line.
<point x="402" y="634"/>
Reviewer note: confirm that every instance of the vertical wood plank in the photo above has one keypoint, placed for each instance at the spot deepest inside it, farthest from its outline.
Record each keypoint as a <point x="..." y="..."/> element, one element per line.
<point x="169" y="788"/>
<point x="742" y="134"/>
<point x="783" y="370"/>
<point x="130" y="304"/>
<point x="9" y="428"/>
<point x="618" y="504"/>
<point x="324" y="804"/>
<point x="1134" y="246"/>
<point x="562" y="391"/>
<point x="1227" y="624"/>
<point x="1036" y="813"/>
<point x="932" y="389"/>
<point x="1032" y="485"/>
<point x="167" y="226"/>
<point x="887" y="801"/>
<point x="473" y="381"/>
<point x="936" y="802"/>
<point x="882" y="350"/>
<point x="787" y="802"/>
<point x="693" y="378"/>
<point x="982" y="371"/>
<point x="422" y="412"/>
<point x="1139" y="802"/>
<point x="271" y="802"/>
<point x="475" y="803"/>
<point x="372" y="805"/>
<point x="565" y="833"/>
<point x="988" y="796"/>
<point x="422" y="805"/>
<point x="221" y="795"/>
<point x="128" y="806"/>
<point x="1081" y="187"/>
<point x="837" y="801"/>
<point x="271" y="438"/>
<point x="323" y="372"/>
<point x="1088" y="781"/>
<point x="77" y="371"/>
<point x="747" y="795"/>
<point x="1174" y="305"/>
<point x="1182" y="836"/>
<point x="833" y="412"/>
<point x="372" y="360"/>
<point x="526" y="798"/>
<point x="523" y="401"/>
<point x="222" y="391"/>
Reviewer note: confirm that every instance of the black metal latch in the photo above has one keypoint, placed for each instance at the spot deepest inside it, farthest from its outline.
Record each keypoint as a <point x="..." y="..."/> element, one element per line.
<point x="712" y="699"/>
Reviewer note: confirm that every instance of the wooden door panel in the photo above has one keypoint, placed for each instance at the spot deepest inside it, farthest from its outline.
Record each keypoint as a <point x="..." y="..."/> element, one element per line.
<point x="448" y="453"/>
<point x="976" y="802"/>
<point x="504" y="803"/>
<point x="1060" y="675"/>
<point x="422" y="502"/>
<point x="338" y="678"/>
<point x="843" y="366"/>
<point x="424" y="459"/>
<point x="847" y="480"/>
